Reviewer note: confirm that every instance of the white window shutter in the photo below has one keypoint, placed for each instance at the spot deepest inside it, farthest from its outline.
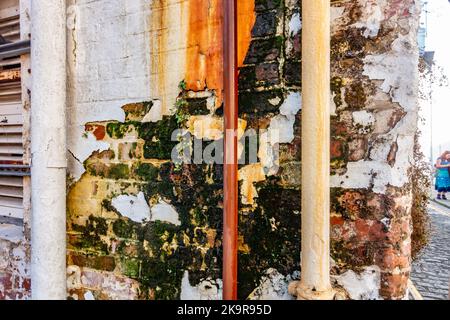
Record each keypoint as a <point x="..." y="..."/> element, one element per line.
<point x="12" y="169"/>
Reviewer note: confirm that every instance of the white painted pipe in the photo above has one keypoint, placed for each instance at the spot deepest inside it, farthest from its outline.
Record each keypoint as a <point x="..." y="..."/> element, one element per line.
<point x="315" y="234"/>
<point x="48" y="148"/>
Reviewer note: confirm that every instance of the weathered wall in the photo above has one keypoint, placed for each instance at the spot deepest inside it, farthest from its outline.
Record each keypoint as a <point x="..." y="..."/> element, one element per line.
<point x="375" y="91"/>
<point x="142" y="227"/>
<point x="14" y="263"/>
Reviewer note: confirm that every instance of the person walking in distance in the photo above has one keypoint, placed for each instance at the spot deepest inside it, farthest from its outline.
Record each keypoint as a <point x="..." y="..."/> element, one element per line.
<point x="442" y="175"/>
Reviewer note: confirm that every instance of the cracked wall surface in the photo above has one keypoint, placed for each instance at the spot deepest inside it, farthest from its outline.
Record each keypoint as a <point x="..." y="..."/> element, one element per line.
<point x="143" y="227"/>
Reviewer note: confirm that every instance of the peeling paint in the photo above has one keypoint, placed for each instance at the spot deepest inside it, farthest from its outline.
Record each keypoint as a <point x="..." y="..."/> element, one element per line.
<point x="135" y="208"/>
<point x="273" y="286"/>
<point x="361" y="286"/>
<point x="385" y="67"/>
<point x="164" y="212"/>
<point x="295" y="24"/>
<point x="206" y="290"/>
<point x="373" y="18"/>
<point x="155" y="114"/>
<point x="249" y="175"/>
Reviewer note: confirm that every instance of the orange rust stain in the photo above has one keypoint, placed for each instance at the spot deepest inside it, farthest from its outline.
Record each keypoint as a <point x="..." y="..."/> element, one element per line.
<point x="246" y="21"/>
<point x="204" y="51"/>
<point x="159" y="39"/>
<point x="204" y="60"/>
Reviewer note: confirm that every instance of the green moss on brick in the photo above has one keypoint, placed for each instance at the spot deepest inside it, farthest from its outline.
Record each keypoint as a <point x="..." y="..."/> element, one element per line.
<point x="124" y="228"/>
<point x="147" y="171"/>
<point x="131" y="267"/>
<point x="92" y="231"/>
<point x="158" y="138"/>
<point x="119" y="171"/>
<point x="116" y="130"/>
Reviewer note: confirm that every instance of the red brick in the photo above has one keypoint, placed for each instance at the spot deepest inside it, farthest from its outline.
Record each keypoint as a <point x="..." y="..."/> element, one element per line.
<point x="100" y="132"/>
<point x="337" y="148"/>
<point x="6" y="281"/>
<point x="337" y="221"/>
<point x="393" y="286"/>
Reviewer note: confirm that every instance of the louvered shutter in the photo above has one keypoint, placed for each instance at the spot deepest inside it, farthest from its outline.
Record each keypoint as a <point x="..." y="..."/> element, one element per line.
<point x="12" y="168"/>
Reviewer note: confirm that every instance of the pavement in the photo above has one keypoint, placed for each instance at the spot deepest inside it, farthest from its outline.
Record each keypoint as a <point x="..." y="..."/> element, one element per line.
<point x="431" y="272"/>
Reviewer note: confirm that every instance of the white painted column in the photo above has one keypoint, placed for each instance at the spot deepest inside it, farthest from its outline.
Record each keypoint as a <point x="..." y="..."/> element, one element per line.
<point x="48" y="148"/>
<point x="315" y="260"/>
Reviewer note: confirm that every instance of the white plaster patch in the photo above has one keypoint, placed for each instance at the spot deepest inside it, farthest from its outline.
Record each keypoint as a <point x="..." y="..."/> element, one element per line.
<point x="166" y="213"/>
<point x="273" y="286"/>
<point x="282" y="126"/>
<point x="275" y="101"/>
<point x="372" y="18"/>
<point x="363" y="286"/>
<point x="336" y="13"/>
<point x="386" y="67"/>
<point x="267" y="153"/>
<point x="89" y="296"/>
<point x="155" y="114"/>
<point x="399" y="85"/>
<point x="292" y="105"/>
<point x="208" y="289"/>
<point x="19" y="256"/>
<point x="363" y="118"/>
<point x="107" y="69"/>
<point x="82" y="149"/>
<point x="295" y="24"/>
<point x="281" y="130"/>
<point x="73" y="279"/>
<point x="370" y="174"/>
<point x="135" y="208"/>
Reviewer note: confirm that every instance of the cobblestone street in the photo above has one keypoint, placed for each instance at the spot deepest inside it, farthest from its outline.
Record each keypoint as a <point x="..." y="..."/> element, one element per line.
<point x="431" y="272"/>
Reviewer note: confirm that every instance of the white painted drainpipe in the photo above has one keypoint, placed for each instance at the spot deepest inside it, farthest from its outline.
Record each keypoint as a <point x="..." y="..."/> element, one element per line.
<point x="315" y="255"/>
<point x="48" y="147"/>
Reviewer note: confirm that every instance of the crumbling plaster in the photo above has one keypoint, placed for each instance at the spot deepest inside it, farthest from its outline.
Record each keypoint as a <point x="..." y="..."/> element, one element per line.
<point x="108" y="68"/>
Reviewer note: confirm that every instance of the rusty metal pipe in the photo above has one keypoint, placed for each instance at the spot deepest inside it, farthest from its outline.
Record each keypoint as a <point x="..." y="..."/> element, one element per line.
<point x="230" y="203"/>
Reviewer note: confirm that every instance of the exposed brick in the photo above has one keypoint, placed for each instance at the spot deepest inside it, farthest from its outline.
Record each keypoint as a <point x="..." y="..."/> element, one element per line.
<point x="106" y="263"/>
<point x="261" y="5"/>
<point x="100" y="132"/>
<point x="357" y="149"/>
<point x="6" y="281"/>
<point x="293" y="72"/>
<point x="264" y="50"/>
<point x="393" y="286"/>
<point x="260" y="102"/>
<point x="266" y="24"/>
<point x="337" y="148"/>
<point x="268" y="73"/>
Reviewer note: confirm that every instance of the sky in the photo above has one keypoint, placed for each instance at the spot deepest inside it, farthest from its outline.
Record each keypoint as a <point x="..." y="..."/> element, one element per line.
<point x="438" y="40"/>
